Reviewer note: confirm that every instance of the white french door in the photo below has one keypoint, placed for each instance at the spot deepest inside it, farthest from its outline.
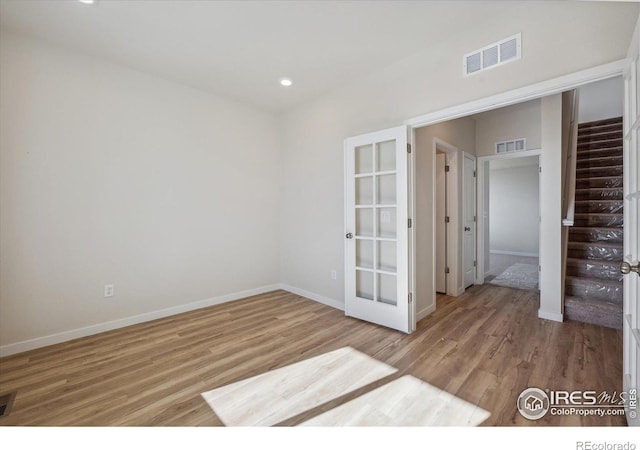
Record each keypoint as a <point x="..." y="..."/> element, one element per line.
<point x="376" y="228"/>
<point x="631" y="187"/>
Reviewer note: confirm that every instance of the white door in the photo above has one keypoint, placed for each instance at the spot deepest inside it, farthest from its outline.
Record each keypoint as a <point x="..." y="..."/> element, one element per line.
<point x="469" y="219"/>
<point x="441" y="223"/>
<point x="631" y="321"/>
<point x="376" y="216"/>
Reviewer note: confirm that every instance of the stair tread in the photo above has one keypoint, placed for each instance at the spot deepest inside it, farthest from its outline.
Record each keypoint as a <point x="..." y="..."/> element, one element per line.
<point x="595" y="123"/>
<point x="599" y="189"/>
<point x="592" y="168"/>
<point x="569" y="299"/>
<point x="610" y="151"/>
<point x="595" y="231"/>
<point x="591" y="228"/>
<point x="599" y="193"/>
<point x="613" y="142"/>
<point x="597" y="214"/>
<point x="591" y="244"/>
<point x="595" y="182"/>
<point x="598" y="145"/>
<point x="599" y="201"/>
<point x="605" y="136"/>
<point x="585" y="280"/>
<point x="594" y="311"/>
<point x="603" y="158"/>
<point x="586" y="152"/>
<point x="591" y="261"/>
<point x="606" y="130"/>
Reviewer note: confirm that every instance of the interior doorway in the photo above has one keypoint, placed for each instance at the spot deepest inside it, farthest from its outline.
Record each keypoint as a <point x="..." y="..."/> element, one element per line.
<point x="448" y="156"/>
<point x="446" y="204"/>
<point x="511" y="221"/>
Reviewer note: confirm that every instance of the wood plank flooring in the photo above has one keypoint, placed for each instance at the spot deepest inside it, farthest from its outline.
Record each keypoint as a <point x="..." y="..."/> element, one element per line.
<point x="484" y="347"/>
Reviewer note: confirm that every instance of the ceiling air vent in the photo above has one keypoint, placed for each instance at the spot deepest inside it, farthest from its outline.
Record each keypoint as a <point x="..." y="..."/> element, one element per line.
<point x="493" y="55"/>
<point x="517" y="145"/>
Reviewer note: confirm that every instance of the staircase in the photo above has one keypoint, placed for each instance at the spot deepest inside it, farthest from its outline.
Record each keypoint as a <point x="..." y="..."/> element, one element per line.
<point x="593" y="286"/>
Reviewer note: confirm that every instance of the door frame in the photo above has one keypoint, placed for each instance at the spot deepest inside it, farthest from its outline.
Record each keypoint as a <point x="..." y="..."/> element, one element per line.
<point x="631" y="282"/>
<point x="523" y="94"/>
<point x="482" y="168"/>
<point x="451" y="152"/>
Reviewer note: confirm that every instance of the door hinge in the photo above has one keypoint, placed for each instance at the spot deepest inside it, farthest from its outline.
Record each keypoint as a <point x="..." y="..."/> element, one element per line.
<point x="475" y="264"/>
<point x="474" y="218"/>
<point x="410" y="223"/>
<point x="539" y="268"/>
<point x="410" y="297"/>
<point x="474" y="174"/>
<point x="447" y="168"/>
<point x="446" y="219"/>
<point x="540" y="169"/>
<point x="408" y="148"/>
<point x="446" y="270"/>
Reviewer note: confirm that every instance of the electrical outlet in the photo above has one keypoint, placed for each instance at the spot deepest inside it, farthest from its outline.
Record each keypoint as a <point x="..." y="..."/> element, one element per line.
<point x="109" y="290"/>
<point x="334" y="274"/>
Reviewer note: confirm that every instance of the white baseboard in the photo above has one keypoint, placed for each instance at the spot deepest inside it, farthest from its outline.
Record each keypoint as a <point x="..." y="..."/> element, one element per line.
<point x="425" y="312"/>
<point x="19" y="347"/>
<point x="506" y="252"/>
<point x="550" y="316"/>
<point x="313" y="296"/>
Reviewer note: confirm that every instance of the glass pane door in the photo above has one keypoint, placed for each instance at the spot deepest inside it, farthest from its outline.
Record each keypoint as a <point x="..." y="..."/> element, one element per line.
<point x="376" y="185"/>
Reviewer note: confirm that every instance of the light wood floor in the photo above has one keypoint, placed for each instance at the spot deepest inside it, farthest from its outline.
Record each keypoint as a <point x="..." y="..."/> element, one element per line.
<point x="484" y="347"/>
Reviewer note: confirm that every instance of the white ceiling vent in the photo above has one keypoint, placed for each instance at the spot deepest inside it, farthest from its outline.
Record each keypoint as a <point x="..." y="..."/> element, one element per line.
<point x="493" y="55"/>
<point x="516" y="145"/>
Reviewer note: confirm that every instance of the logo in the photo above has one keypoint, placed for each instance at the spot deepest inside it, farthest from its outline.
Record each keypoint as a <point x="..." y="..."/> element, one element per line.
<point x="533" y="403"/>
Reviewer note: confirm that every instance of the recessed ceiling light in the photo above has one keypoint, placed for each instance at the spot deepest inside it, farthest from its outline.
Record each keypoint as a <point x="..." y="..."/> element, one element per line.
<point x="286" y="82"/>
<point x="87" y="2"/>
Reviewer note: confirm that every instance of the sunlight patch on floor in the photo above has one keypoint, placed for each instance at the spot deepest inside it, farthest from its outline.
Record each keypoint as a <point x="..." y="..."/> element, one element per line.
<point x="272" y="397"/>
<point x="406" y="401"/>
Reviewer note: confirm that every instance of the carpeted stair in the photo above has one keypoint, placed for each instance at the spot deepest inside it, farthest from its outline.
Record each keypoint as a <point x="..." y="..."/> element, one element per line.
<point x="593" y="289"/>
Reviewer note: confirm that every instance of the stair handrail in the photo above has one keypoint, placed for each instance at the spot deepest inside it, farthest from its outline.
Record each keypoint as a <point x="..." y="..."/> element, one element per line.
<point x="569" y="188"/>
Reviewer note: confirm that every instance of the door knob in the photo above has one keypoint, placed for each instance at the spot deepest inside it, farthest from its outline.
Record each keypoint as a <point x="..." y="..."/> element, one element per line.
<point x="349" y="236"/>
<point x="467" y="228"/>
<point x="627" y="268"/>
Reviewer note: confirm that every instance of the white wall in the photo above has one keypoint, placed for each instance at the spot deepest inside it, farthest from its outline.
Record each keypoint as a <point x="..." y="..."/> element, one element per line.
<point x="551" y="299"/>
<point x="514" y="208"/>
<point x="601" y="100"/>
<point x="484" y="206"/>
<point x="580" y="34"/>
<point x="511" y="122"/>
<point x="461" y="134"/>
<point x="112" y="176"/>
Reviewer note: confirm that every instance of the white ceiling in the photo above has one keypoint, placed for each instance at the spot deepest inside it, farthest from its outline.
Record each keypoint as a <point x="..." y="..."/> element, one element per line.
<point x="240" y="49"/>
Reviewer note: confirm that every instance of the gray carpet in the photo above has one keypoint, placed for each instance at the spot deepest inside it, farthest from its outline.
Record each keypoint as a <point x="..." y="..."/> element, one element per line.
<point x="518" y="276"/>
